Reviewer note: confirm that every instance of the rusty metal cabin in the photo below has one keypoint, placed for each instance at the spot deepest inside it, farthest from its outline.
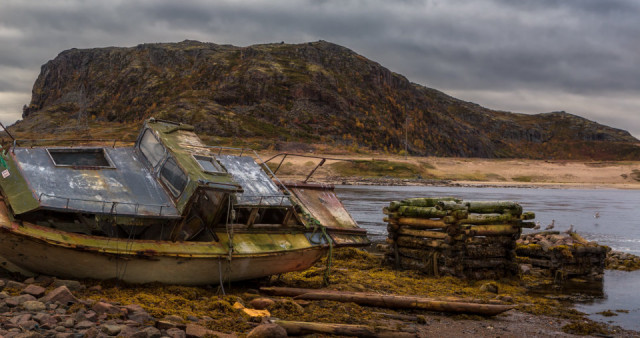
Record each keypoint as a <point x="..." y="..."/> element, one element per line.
<point x="168" y="186"/>
<point x="210" y="188"/>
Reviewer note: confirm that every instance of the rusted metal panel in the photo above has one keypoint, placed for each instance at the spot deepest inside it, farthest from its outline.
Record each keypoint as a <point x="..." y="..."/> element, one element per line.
<point x="321" y="203"/>
<point x="16" y="188"/>
<point x="259" y="189"/>
<point x="129" y="189"/>
<point x="340" y="239"/>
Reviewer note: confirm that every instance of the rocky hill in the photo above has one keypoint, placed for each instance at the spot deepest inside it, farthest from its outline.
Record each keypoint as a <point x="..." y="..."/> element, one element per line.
<point x="313" y="93"/>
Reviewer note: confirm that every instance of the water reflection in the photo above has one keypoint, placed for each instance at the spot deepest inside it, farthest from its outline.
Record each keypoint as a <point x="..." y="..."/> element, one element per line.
<point x="620" y="297"/>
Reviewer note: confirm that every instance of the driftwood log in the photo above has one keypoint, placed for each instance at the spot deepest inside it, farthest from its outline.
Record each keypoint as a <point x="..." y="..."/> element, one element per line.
<point x="420" y="202"/>
<point x="451" y="205"/>
<point x="390" y="301"/>
<point x="492" y="230"/>
<point x="295" y="328"/>
<point x="487" y="219"/>
<point x="417" y="243"/>
<point x="500" y="207"/>
<point x="423" y="212"/>
<point x="420" y="223"/>
<point x="422" y="233"/>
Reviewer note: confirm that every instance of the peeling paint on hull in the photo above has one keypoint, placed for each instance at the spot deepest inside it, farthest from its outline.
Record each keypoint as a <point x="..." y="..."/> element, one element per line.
<point x="51" y="252"/>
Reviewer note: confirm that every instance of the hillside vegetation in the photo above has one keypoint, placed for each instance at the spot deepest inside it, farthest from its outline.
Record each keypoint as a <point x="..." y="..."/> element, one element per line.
<point x="311" y="93"/>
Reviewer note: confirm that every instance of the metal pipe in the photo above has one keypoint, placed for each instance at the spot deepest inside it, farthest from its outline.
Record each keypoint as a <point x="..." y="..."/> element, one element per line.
<point x="309" y="156"/>
<point x="7" y="131"/>
<point x="314" y="170"/>
<point x="279" y="164"/>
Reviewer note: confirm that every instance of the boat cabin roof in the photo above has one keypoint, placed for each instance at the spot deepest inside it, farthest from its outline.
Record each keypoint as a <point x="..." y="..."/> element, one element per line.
<point x="157" y="177"/>
<point x="92" y="180"/>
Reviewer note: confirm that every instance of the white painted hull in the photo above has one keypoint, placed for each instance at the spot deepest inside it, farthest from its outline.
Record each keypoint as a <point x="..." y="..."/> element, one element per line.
<point x="43" y="258"/>
<point x="51" y="252"/>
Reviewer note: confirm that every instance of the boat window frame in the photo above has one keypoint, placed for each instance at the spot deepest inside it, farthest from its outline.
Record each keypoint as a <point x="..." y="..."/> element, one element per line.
<point x="175" y="192"/>
<point x="164" y="149"/>
<point x="107" y="158"/>
<point x="213" y="161"/>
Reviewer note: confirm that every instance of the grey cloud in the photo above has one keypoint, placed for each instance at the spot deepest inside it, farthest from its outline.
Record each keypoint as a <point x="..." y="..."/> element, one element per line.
<point x="586" y="47"/>
<point x="584" y="6"/>
<point x="14" y="79"/>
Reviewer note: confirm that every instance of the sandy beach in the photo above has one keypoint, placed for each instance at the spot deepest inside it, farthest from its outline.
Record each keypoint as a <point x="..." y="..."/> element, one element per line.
<point x="468" y="171"/>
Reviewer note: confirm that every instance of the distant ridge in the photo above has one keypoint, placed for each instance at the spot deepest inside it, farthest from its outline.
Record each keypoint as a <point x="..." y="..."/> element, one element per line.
<point x="315" y="92"/>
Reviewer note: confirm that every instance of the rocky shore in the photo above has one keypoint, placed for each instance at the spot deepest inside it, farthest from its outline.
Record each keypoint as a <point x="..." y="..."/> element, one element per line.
<point x="48" y="307"/>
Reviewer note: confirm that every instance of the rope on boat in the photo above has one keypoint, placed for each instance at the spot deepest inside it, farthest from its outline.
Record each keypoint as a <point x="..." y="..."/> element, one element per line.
<point x="327" y="270"/>
<point x="229" y="228"/>
<point x="220" y="275"/>
<point x="127" y="250"/>
<point x="230" y="214"/>
<point x="317" y="225"/>
<point x="120" y="269"/>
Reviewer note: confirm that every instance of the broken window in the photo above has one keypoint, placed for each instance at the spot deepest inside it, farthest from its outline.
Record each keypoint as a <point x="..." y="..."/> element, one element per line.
<point x="151" y="148"/>
<point x="173" y="177"/>
<point x="209" y="164"/>
<point x="80" y="157"/>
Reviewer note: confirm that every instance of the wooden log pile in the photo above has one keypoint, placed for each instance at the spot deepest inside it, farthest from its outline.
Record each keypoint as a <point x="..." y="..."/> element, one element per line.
<point x="447" y="236"/>
<point x="564" y="255"/>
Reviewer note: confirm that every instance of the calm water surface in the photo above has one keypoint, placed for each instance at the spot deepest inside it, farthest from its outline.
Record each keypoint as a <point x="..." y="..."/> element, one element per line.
<point x="617" y="225"/>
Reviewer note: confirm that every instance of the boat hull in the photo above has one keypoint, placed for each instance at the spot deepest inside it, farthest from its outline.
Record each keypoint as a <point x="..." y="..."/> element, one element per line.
<point x="46" y="259"/>
<point x="47" y="251"/>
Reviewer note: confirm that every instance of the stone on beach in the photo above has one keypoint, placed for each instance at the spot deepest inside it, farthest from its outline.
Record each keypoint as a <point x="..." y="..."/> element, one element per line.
<point x="165" y="325"/>
<point x="72" y="285"/>
<point x="34" y="290"/>
<point x="18" y="300"/>
<point x="148" y="332"/>
<point x="197" y="331"/>
<point x="34" y="306"/>
<point x="85" y="324"/>
<point x="267" y="331"/>
<point x="261" y="303"/>
<point x="60" y="294"/>
<point x="11" y="284"/>
<point x="103" y="307"/>
<point x="176" y="333"/>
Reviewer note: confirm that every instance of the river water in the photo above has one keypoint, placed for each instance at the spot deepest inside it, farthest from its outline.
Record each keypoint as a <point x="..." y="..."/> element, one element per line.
<point x="610" y="217"/>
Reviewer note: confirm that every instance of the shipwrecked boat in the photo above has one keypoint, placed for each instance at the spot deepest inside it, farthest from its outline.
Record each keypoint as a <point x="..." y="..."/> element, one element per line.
<point x="168" y="209"/>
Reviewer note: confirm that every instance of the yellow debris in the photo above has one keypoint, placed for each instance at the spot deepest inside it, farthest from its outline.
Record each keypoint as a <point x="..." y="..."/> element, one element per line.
<point x="252" y="312"/>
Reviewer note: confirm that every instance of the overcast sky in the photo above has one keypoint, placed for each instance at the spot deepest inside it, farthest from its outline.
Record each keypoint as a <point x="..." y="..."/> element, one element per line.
<point x="527" y="56"/>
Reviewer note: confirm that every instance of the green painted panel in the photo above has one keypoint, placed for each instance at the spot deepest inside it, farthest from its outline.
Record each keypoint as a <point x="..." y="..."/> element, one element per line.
<point x="182" y="143"/>
<point x="16" y="189"/>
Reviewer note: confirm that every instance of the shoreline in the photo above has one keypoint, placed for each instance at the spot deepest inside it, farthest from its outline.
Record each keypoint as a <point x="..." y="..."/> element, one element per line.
<point x="359" y="181"/>
<point x="354" y="169"/>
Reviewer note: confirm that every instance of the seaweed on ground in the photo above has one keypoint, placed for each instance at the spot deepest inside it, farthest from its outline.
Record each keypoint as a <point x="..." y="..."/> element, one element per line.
<point x="352" y="270"/>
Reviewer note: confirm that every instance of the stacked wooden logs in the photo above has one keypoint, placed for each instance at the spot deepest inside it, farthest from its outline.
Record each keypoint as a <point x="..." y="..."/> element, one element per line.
<point x="564" y="255"/>
<point x="447" y="236"/>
